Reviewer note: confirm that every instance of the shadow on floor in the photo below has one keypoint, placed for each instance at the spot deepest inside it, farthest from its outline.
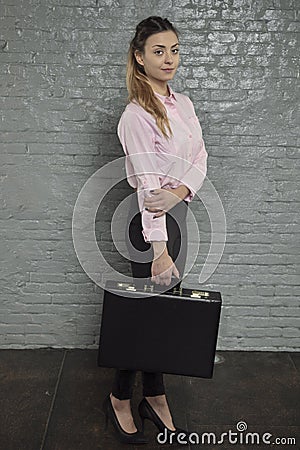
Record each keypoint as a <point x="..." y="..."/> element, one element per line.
<point x="51" y="400"/>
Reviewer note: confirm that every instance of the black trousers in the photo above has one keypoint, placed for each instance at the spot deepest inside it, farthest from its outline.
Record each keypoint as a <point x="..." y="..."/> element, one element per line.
<point x="153" y="383"/>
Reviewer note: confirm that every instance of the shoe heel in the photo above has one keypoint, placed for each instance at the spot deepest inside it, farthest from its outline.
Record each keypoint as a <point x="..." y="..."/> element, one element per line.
<point x="123" y="436"/>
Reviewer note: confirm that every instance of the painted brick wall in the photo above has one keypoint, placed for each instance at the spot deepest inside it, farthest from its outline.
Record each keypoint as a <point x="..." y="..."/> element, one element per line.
<point x="62" y="91"/>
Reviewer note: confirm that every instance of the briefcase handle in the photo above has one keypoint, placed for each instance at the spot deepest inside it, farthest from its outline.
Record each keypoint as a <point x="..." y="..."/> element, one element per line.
<point x="152" y="287"/>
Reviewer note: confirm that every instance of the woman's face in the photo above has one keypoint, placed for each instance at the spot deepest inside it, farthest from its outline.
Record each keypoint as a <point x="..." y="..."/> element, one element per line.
<point x="160" y="57"/>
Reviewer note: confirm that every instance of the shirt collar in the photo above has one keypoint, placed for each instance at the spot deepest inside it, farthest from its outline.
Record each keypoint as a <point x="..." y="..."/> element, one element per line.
<point x="165" y="98"/>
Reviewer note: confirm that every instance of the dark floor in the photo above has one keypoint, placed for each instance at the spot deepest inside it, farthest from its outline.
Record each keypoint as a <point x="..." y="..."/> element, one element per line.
<point x="51" y="400"/>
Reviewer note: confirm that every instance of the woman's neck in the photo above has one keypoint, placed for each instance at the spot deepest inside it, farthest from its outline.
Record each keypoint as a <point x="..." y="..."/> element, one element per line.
<point x="161" y="89"/>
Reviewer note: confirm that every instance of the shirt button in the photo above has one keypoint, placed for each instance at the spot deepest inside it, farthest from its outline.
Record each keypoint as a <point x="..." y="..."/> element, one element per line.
<point x="190" y="136"/>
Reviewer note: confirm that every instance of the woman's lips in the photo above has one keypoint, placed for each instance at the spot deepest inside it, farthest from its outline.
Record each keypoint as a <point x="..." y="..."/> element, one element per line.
<point x="168" y="70"/>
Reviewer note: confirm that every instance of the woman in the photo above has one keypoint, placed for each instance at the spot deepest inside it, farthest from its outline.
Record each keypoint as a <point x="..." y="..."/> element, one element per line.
<point x="162" y="137"/>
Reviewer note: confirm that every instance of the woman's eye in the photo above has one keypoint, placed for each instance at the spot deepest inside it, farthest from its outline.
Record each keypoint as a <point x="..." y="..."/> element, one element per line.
<point x="160" y="52"/>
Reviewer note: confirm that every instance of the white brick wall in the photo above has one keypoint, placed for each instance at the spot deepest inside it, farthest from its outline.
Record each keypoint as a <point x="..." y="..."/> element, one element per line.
<point x="62" y="92"/>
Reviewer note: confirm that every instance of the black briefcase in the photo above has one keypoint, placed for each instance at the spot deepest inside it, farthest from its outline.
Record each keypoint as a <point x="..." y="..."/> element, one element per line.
<point x="170" y="332"/>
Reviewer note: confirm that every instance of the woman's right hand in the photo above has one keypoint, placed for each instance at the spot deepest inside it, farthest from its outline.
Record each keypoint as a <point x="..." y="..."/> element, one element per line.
<point x="162" y="269"/>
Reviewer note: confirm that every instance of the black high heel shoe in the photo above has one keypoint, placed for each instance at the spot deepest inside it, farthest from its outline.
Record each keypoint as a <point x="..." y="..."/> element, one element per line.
<point x="147" y="412"/>
<point x="126" y="438"/>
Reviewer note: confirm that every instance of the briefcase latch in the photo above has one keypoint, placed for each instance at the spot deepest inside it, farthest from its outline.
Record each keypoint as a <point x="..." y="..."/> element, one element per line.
<point x="177" y="291"/>
<point x="127" y="287"/>
<point x="148" y="288"/>
<point x="131" y="288"/>
<point x="199" y="294"/>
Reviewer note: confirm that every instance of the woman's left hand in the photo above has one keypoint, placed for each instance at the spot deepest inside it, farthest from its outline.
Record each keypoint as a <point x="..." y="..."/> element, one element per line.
<point x="161" y="201"/>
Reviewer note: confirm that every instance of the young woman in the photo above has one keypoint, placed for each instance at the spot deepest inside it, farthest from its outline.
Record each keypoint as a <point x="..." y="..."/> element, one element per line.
<point x="162" y="137"/>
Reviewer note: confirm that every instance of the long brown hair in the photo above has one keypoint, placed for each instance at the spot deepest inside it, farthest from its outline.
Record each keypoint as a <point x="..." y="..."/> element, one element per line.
<point x="138" y="85"/>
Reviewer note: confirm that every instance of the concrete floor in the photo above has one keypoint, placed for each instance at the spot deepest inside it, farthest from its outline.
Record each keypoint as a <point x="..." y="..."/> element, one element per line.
<point x="51" y="399"/>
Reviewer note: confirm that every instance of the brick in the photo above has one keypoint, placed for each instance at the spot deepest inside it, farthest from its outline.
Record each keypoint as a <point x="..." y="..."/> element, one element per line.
<point x="11" y="329"/>
<point x="280" y="343"/>
<point x="284" y="290"/>
<point x="53" y="288"/>
<point x="40" y="340"/>
<point x="12" y="341"/>
<point x="284" y="311"/>
<point x="84" y="298"/>
<point x="262" y="333"/>
<point x="221" y="37"/>
<point x="17" y="319"/>
<point x="291" y="332"/>
<point x="233" y="311"/>
<point x="47" y="277"/>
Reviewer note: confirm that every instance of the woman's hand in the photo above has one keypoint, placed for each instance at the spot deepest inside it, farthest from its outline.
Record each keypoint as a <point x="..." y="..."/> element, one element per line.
<point x="162" y="269"/>
<point x="161" y="201"/>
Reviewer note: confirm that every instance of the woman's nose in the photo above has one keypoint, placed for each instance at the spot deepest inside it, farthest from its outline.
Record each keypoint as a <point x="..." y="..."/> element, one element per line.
<point x="168" y="57"/>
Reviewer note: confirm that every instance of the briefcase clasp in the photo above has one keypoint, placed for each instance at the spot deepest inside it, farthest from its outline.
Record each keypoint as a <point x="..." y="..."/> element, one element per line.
<point x="128" y="287"/>
<point x="177" y="291"/>
<point x="199" y="294"/>
<point x="148" y="288"/>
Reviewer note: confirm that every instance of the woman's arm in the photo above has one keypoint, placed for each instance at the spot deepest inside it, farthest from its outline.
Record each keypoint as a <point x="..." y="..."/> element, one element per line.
<point x="181" y="191"/>
<point x="164" y="199"/>
<point x="162" y="266"/>
<point x="138" y="141"/>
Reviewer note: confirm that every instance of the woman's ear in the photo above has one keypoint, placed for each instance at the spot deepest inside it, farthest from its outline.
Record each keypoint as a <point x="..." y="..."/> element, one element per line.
<point x="139" y="57"/>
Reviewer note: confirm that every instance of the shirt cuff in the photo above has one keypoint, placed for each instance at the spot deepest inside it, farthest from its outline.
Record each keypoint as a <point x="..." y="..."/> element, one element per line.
<point x="154" y="235"/>
<point x="154" y="229"/>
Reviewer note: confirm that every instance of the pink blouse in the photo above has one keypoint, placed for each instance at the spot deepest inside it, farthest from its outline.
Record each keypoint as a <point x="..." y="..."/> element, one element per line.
<point x="155" y="162"/>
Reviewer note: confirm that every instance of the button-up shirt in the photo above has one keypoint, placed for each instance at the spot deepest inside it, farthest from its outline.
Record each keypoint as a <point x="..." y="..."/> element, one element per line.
<point x="155" y="162"/>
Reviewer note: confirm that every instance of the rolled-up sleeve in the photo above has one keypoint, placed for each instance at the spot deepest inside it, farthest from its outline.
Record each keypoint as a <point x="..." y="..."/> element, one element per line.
<point x="195" y="174"/>
<point x="138" y="141"/>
